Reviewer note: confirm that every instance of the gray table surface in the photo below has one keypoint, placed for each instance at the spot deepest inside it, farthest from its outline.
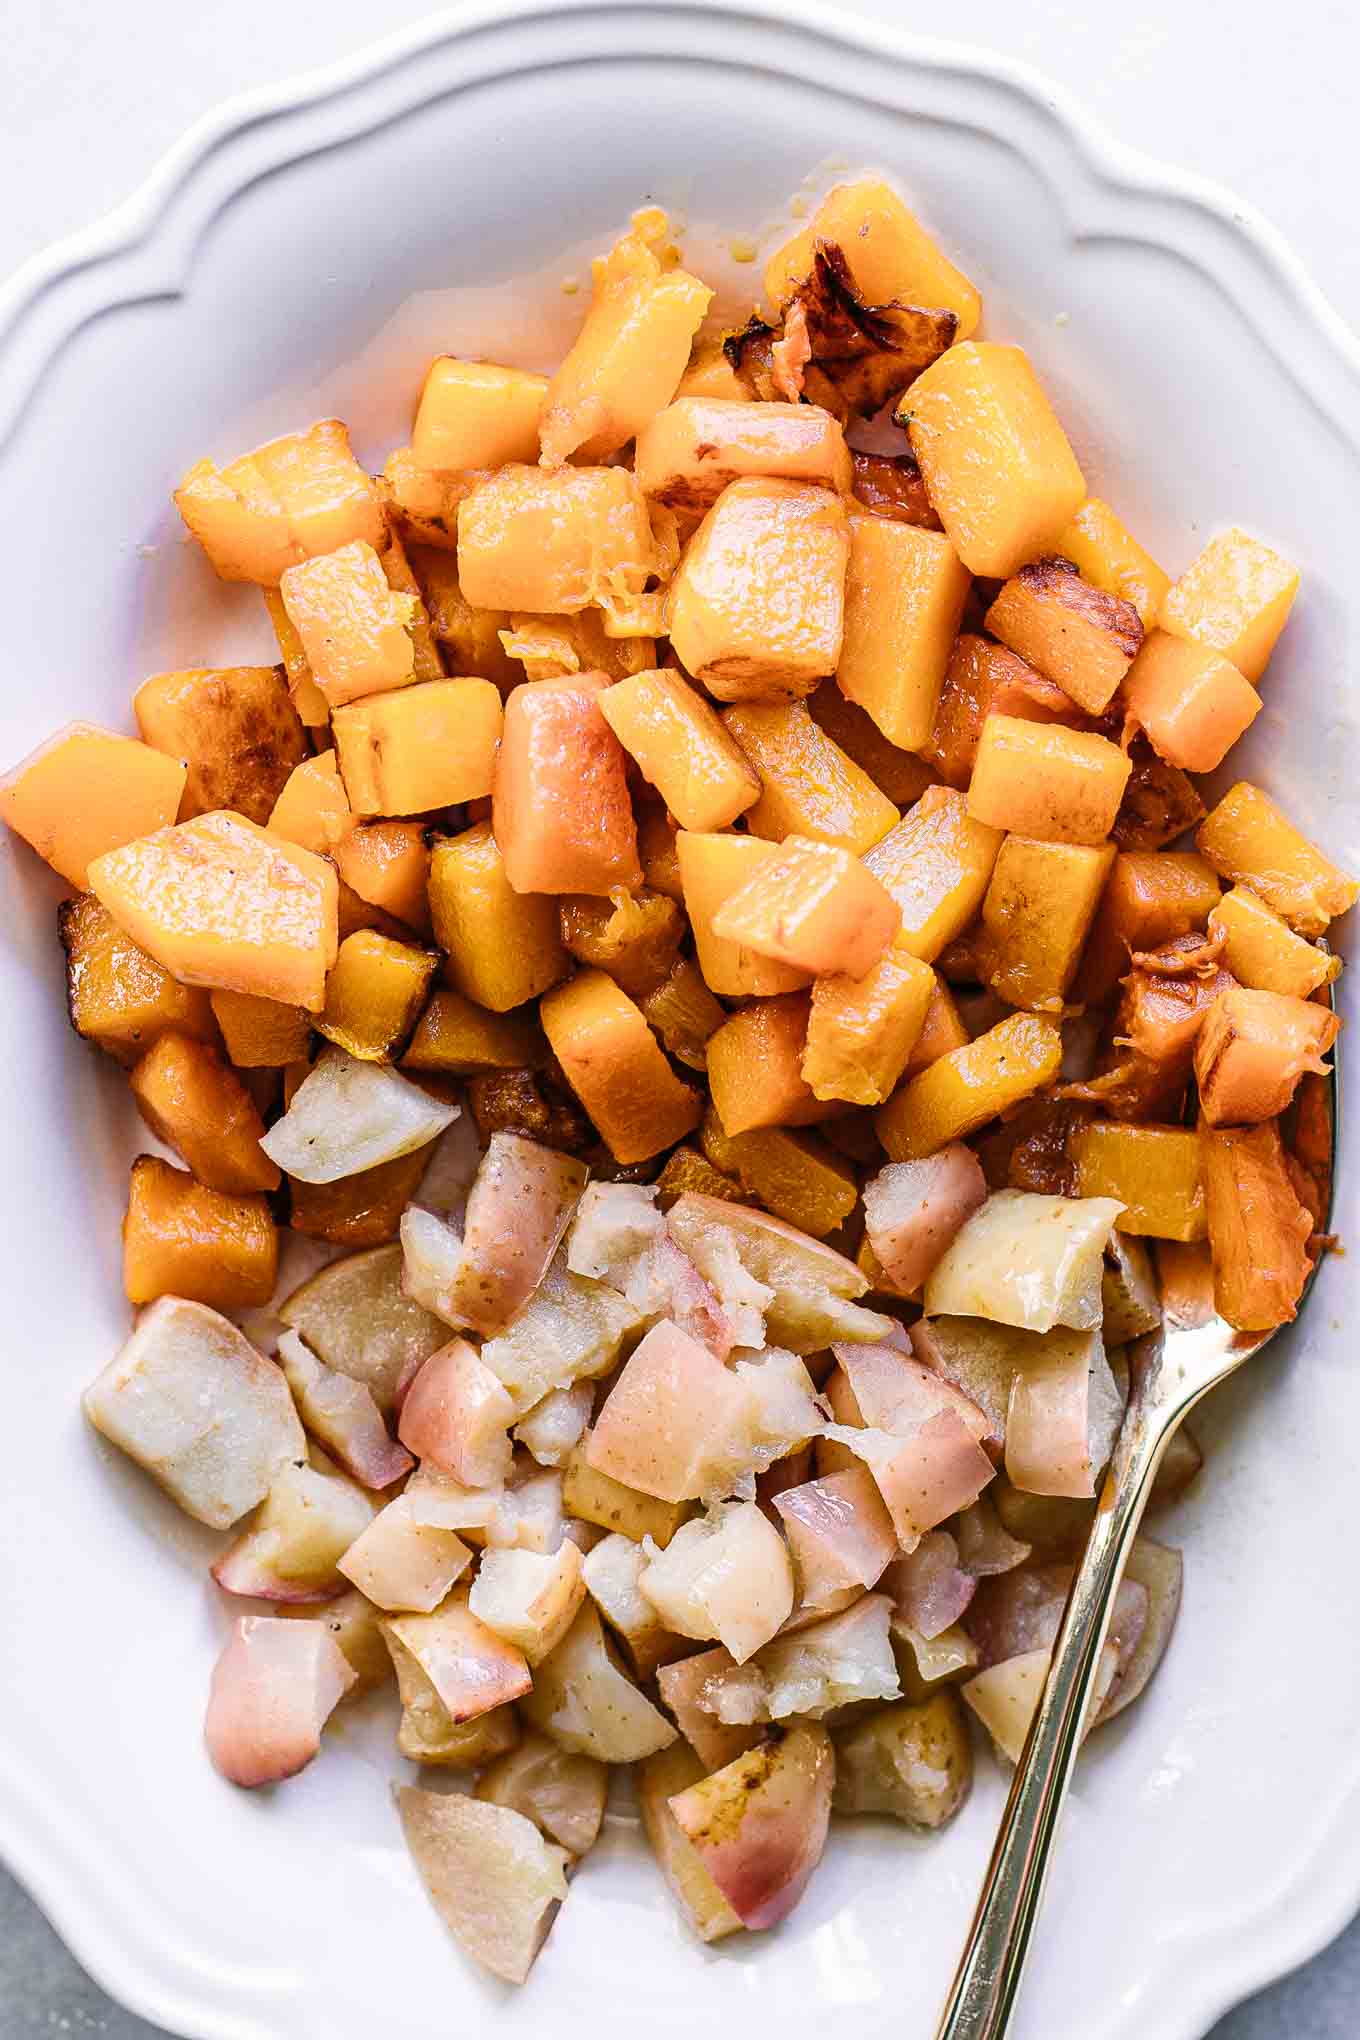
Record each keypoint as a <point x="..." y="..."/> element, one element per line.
<point x="91" y="96"/>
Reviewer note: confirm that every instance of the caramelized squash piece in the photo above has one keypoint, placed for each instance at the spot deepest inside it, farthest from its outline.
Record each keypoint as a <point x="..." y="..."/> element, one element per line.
<point x="1147" y="900"/>
<point x="117" y="996"/>
<point x="374" y="993"/>
<point x="355" y="631"/>
<point x="511" y="1101"/>
<point x="812" y="906"/>
<point x="424" y="506"/>
<point x="553" y="543"/>
<point x="470" y="637"/>
<point x="562" y="812"/>
<point x="962" y="1090"/>
<point x="755" y="1067"/>
<point x="936" y="864"/>
<point x="312" y="810"/>
<point x="635" y="937"/>
<point x="904" y="595"/>
<point x="756" y="609"/>
<point x="711" y="374"/>
<point x="420" y="748"/>
<point x="472" y="414"/>
<point x="261" y="1034"/>
<point x="236" y="728"/>
<point x="942" y="1030"/>
<point x="1037" y="914"/>
<point x="891" y="485"/>
<point x="504" y="947"/>
<point x="984" y="679"/>
<point x="689" y="452"/>
<point x="688" y="1172"/>
<point x="1250" y="842"/>
<point x="796" y="1176"/>
<point x="1047" y="781"/>
<point x="363" y="1210"/>
<point x="388" y="865"/>
<point x="1263" y="952"/>
<point x="222" y="903"/>
<point x="679" y="744"/>
<point x="397" y="570"/>
<point x="712" y="868"/>
<point x="181" y="1239"/>
<point x="612" y="1061"/>
<point x="197" y="1105"/>
<point x="86" y="791"/>
<point x="898" y="774"/>
<point x="809" y="787"/>
<point x="996" y="461"/>
<point x="861" y="1031"/>
<point x="657" y="853"/>
<point x="1258" y="1229"/>
<point x="456" y="1036"/>
<point x="1193" y="704"/>
<point x="889" y="252"/>
<point x="1107" y="555"/>
<point x="1075" y="635"/>
<point x="551" y="647"/>
<point x="1252" y="1049"/>
<point x="1235" y="598"/>
<point x="1156" y="1173"/>
<point x="290" y="500"/>
<point x="311" y="704"/>
<point x="684" y="1012"/>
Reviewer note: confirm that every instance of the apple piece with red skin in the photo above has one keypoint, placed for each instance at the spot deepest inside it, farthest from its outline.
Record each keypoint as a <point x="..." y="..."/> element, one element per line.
<point x="759" y="1825"/>
<point x="470" y="1667"/>
<point x="727" y="1575"/>
<point x="273" y="1690"/>
<point x="913" y="1760"/>
<point x="342" y="1413"/>
<point x="673" y="1420"/>
<point x="663" y="1776"/>
<point x="457" y="1414"/>
<point x="682" y="1686"/>
<point x="520" y="1205"/>
<point x="839" y="1532"/>
<point x="929" y="1587"/>
<point x="1005" y="1697"/>
<point x="490" y="1875"/>
<point x="293" y="1546"/>
<point x="612" y="1571"/>
<point x="404" y="1566"/>
<point x="912" y="1210"/>
<point x="561" y="1793"/>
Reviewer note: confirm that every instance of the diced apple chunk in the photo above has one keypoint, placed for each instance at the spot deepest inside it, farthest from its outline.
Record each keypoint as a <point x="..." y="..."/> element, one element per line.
<point x="551" y="1429"/>
<point x="470" y="1667"/>
<point x="403" y="1565"/>
<point x="562" y="1794"/>
<point x="353" y="1315"/>
<point x="759" y="1826"/>
<point x="811" y="1672"/>
<point x="663" y="1776"/>
<point x="491" y="1877"/>
<point x="273" y="1689"/>
<point x="341" y="1412"/>
<point x="349" y="1115"/>
<point x="570" y="1330"/>
<point x="520" y="1204"/>
<point x="913" y="1210"/>
<point x="457" y="1414"/>
<point x="671" y="1420"/>
<point x="727" y="1576"/>
<point x="584" y="1702"/>
<point x="840" y="1534"/>
<point x="613" y="1573"/>
<point x="306" y="1524"/>
<point x="530" y="1598"/>
<point x="1028" y="1260"/>
<point x="914" y="1762"/>
<point x="1005" y="1697"/>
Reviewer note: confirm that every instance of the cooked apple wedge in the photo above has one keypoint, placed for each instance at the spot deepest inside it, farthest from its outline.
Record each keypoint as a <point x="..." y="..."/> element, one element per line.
<point x="759" y="1825"/>
<point x="913" y="1762"/>
<point x="457" y="1414"/>
<point x="813" y="1671"/>
<point x="355" y="1624"/>
<point x="726" y="1575"/>
<point x="912" y="1210"/>
<point x="189" y="1398"/>
<point x="470" y="1667"/>
<point x="619" y="1237"/>
<point x="562" y="1794"/>
<point x="613" y="1573"/>
<point x="491" y="1877"/>
<point x="661" y="1778"/>
<point x="273" y="1690"/>
<point x="529" y="1598"/>
<point x="584" y="1702"/>
<point x="353" y="1315"/>
<point x="930" y="1589"/>
<point x="682" y="1687"/>
<point x="341" y="1412"/>
<point x="349" y="1115"/>
<point x="552" y="1427"/>
<point x="1158" y="1570"/>
<point x="305" y="1525"/>
<point x="404" y="1566"/>
<point x="809" y="1288"/>
<point x="1026" y="1259"/>
<point x="1006" y="1697"/>
<point x="427" y="1732"/>
<point x="570" y="1330"/>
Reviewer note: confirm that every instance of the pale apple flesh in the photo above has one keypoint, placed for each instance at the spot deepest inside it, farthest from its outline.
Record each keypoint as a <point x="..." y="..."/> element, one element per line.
<point x="759" y="1825"/>
<point x="273" y="1689"/>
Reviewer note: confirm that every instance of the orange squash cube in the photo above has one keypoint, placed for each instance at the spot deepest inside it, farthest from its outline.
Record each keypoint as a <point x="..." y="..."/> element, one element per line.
<point x="757" y="605"/>
<point x="657" y="853"/>
<point x="613" y="1062"/>
<point x="182" y="1239"/>
<point x="363" y="1210"/>
<point x="684" y="1013"/>
<point x="1250" y="842"/>
<point x="861" y="1031"/>
<point x="688" y="1172"/>
<point x="312" y="809"/>
<point x="712" y="868"/>
<point x="426" y="662"/>
<point x="197" y="1105"/>
<point x="689" y="452"/>
<point x="634" y="936"/>
<point x="1235" y="598"/>
<point x="311" y="704"/>
<point x="290" y="500"/>
<point x="813" y="906"/>
<point x="424" y="505"/>
<point x="222" y="903"/>
<point x="1107" y="555"/>
<point x="421" y="748"/>
<point x="681" y="747"/>
<point x="1037" y="914"/>
<point x="808" y="785"/>
<point x="554" y="647"/>
<point x="899" y="775"/>
<point x="117" y="996"/>
<point x="503" y="947"/>
<point x="561" y="807"/>
<point x="1149" y="898"/>
<point x="711" y="374"/>
<point x="86" y="791"/>
<point x="555" y="542"/>
<point x="261" y="1034"/>
<point x="1251" y="1050"/>
<point x="1159" y="802"/>
<point x="996" y="461"/>
<point x="1192" y="703"/>
<point x="1258" y="1229"/>
<point x="1155" y="1172"/>
<point x="1072" y="633"/>
<point x="755" y="1073"/>
<point x="1263" y="952"/>
<point x="237" y="729"/>
<point x="904" y="594"/>
<point x="374" y="994"/>
<point x="472" y="414"/>
<point x="355" y="631"/>
<point x="962" y="1090"/>
<point x="984" y="679"/>
<point x="936" y="864"/>
<point x="942" y="1030"/>
<point x="387" y="864"/>
<point x="889" y="252"/>
<point x="1047" y="781"/>
<point x="470" y="637"/>
<point x="796" y="1176"/>
<point x="632" y="350"/>
<point x="459" y="1038"/>
<point x="892" y="485"/>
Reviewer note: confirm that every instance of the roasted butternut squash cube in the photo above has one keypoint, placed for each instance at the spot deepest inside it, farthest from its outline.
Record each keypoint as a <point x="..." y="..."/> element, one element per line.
<point x="755" y="1068"/>
<point x="362" y="1210"/>
<point x="904" y="594"/>
<point x="632" y="350"/>
<point x="182" y="1239"/>
<point x="892" y="485"/>
<point x="1250" y="842"/>
<point x="962" y="1090"/>
<point x="290" y="500"/>
<point x="423" y="505"/>
<point x="797" y="1177"/>
<point x="504" y="947"/>
<point x="687" y="1171"/>
<point x="899" y="775"/>
<point x="261" y="1034"/>
<point x="1047" y="781"/>
<point x="808" y="785"/>
<point x="472" y="414"/>
<point x="1159" y="802"/>
<point x="1192" y="703"/>
<point x="1107" y="555"/>
<point x="635" y="937"/>
<point x="459" y="1038"/>
<point x="86" y="791"/>
<point x="756" y="609"/>
<point x="388" y="865"/>
<point x="355" y="630"/>
<point x="553" y="647"/>
<point x="712" y="868"/>
<point x="374" y="994"/>
<point x="1037" y="914"/>
<point x="996" y="461"/>
<point x="1258" y="1229"/>
<point x="689" y="452"/>
<point x="312" y="809"/>
<point x="680" y="746"/>
<point x="470" y="637"/>
<point x="889" y="253"/>
<point x="420" y="748"/>
<point x="657" y="853"/>
<point x="710" y="374"/>
<point x="1263" y="952"/>
<point x="555" y="542"/>
<point x="197" y="1105"/>
<point x="684" y="1013"/>
<point x="1235" y="598"/>
<point x="397" y="571"/>
<point x="1074" y="634"/>
<point x="1149" y="898"/>
<point x="561" y="807"/>
<point x="936" y="864"/>
<point x="222" y="903"/>
<point x="236" y="728"/>
<point x="813" y="906"/>
<point x="942" y="1030"/>
<point x="861" y="1031"/>
<point x="119" y="997"/>
<point x="1251" y="1050"/>
<point x="311" y="704"/>
<point x="984" y="679"/>
<point x="612" y="1061"/>
<point x="1156" y="1173"/>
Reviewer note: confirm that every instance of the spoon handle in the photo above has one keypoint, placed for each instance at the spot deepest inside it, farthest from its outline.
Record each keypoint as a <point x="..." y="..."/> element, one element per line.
<point x="987" y="1981"/>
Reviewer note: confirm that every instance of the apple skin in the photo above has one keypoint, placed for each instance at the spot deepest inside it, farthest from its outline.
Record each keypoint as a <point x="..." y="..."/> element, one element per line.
<point x="759" y="1825"/>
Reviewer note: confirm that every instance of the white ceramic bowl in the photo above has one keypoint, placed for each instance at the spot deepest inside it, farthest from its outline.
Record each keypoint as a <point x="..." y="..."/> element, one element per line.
<point x="306" y="251"/>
